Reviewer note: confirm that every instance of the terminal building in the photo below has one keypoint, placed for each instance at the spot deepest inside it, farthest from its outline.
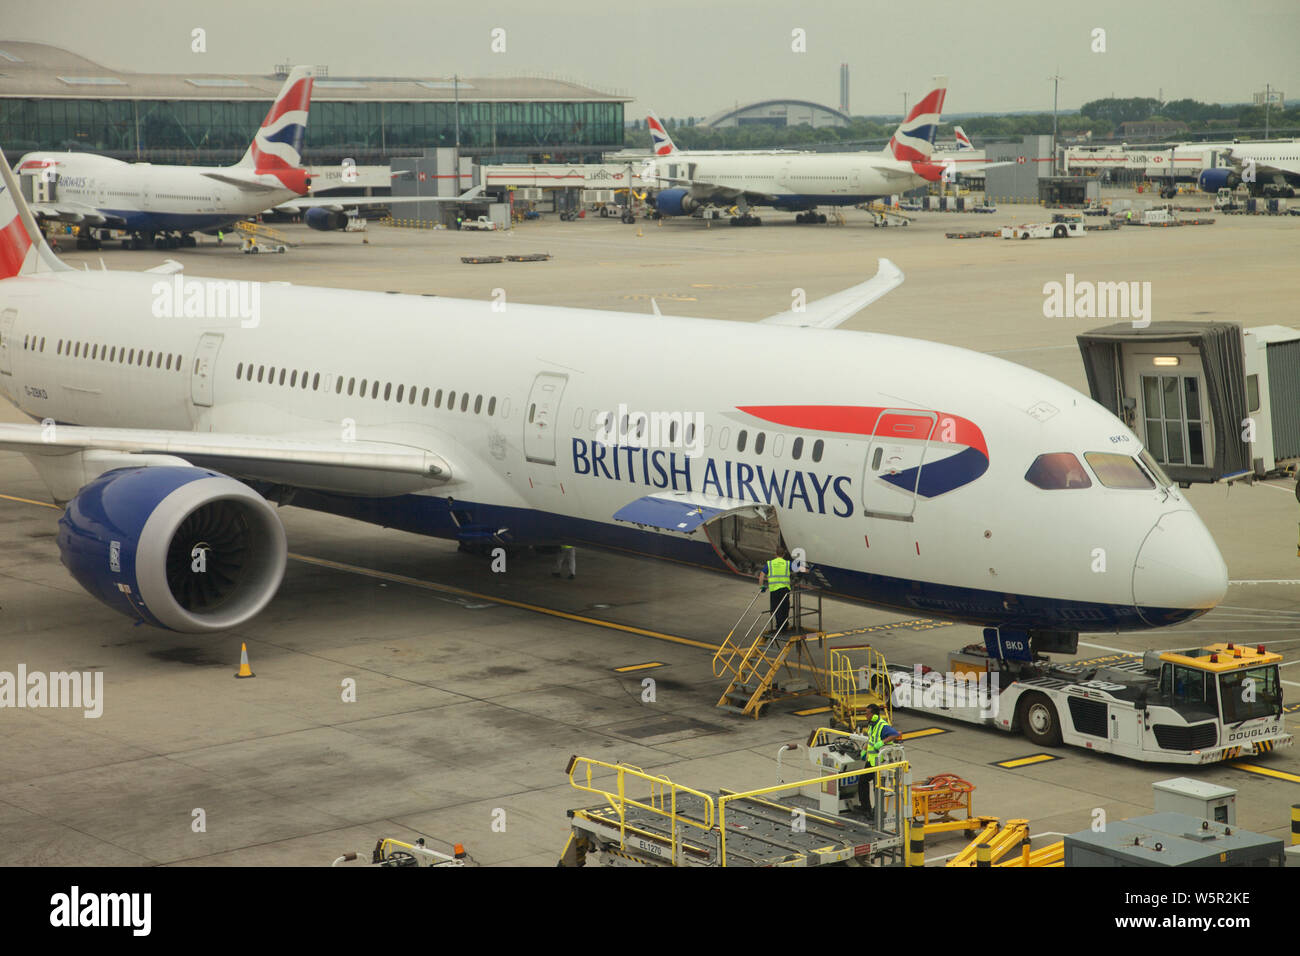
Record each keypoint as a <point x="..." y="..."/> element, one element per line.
<point x="52" y="99"/>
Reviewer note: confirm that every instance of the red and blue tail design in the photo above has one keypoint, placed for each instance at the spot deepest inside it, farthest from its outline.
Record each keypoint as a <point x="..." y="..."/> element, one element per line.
<point x="278" y="144"/>
<point x="963" y="141"/>
<point x="955" y="450"/>
<point x="23" y="249"/>
<point x="913" y="141"/>
<point x="659" y="138"/>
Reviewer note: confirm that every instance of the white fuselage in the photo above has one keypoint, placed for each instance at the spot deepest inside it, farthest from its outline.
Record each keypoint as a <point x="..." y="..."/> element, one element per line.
<point x="797" y="180"/>
<point x="143" y="197"/>
<point x="992" y="549"/>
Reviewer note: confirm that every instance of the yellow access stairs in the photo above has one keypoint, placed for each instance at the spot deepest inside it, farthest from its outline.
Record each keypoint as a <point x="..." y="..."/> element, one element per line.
<point x="763" y="663"/>
<point x="859" y="678"/>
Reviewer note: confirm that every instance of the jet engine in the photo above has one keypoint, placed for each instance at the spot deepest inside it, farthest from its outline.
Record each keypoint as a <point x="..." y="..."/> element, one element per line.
<point x="1212" y="180"/>
<point x="320" y="218"/>
<point x="675" y="202"/>
<point x="177" y="547"/>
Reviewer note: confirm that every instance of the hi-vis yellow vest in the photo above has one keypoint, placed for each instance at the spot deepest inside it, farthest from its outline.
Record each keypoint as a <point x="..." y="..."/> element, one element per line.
<point x="778" y="574"/>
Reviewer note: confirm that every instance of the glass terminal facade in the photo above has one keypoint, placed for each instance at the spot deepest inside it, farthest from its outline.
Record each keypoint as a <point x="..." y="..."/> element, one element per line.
<point x="218" y="131"/>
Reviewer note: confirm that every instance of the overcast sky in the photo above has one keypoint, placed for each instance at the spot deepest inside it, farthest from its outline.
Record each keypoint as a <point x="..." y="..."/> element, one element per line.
<point x="694" y="57"/>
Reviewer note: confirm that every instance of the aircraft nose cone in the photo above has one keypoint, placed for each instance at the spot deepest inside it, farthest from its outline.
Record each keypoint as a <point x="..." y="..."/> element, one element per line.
<point x="1179" y="573"/>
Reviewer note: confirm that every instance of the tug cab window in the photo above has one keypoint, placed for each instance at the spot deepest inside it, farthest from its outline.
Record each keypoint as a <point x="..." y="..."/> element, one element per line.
<point x="1056" y="471"/>
<point x="1250" y="694"/>
<point x="1118" y="471"/>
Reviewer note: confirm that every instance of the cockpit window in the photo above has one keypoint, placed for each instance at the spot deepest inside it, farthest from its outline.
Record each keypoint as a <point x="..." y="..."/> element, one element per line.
<point x="1157" y="472"/>
<point x="1056" y="470"/>
<point x="1117" y="471"/>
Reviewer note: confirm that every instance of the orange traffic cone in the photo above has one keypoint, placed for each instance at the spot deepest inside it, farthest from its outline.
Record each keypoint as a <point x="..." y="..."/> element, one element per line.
<point x="244" y="669"/>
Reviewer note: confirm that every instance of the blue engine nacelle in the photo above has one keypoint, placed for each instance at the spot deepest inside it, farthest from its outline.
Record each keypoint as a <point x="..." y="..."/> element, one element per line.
<point x="181" y="548"/>
<point x="675" y="202"/>
<point x="320" y="218"/>
<point x="1212" y="180"/>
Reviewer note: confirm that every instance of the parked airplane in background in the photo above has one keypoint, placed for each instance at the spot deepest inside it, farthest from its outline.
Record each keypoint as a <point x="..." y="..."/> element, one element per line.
<point x="163" y="206"/>
<point x="803" y="181"/>
<point x="961" y="143"/>
<point x="176" y="412"/>
<point x="1266" y="168"/>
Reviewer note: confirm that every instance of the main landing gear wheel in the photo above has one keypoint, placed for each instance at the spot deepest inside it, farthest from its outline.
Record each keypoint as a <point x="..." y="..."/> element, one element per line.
<point x="1039" y="720"/>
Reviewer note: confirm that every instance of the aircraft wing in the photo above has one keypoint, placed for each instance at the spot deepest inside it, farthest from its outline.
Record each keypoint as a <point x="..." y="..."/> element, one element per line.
<point x="835" y="309"/>
<point x="341" y="203"/>
<point x="1289" y="172"/>
<point x="247" y="185"/>
<point x="718" y="193"/>
<point x="69" y="456"/>
<point x="74" y="212"/>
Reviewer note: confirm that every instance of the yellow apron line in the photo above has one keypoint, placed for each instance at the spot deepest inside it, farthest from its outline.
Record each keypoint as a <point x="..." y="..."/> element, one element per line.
<point x="1025" y="761"/>
<point x="927" y="732"/>
<point x="535" y="608"/>
<point x="814" y="710"/>
<point x="1266" y="772"/>
<point x="638" y="667"/>
<point x="29" y="501"/>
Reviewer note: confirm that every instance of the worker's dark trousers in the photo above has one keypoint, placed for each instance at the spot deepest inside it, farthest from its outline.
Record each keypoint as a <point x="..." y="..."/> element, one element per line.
<point x="779" y="601"/>
<point x="864" y="790"/>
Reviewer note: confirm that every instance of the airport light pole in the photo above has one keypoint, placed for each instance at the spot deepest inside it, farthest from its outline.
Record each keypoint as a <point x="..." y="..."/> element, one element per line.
<point x="1056" y="87"/>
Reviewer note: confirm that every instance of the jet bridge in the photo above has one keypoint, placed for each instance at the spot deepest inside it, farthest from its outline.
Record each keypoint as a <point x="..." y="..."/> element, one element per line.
<point x="1181" y="388"/>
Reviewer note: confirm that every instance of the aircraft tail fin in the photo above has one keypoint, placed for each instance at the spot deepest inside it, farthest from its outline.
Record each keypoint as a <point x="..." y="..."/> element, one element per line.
<point x="913" y="141"/>
<point x="963" y="141"/>
<point x="659" y="138"/>
<point x="278" y="143"/>
<point x="23" y="249"/>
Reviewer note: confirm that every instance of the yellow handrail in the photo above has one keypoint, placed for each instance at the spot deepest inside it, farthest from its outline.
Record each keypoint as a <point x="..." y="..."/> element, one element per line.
<point x="726" y="798"/>
<point x="663" y="793"/>
<point x="731" y="648"/>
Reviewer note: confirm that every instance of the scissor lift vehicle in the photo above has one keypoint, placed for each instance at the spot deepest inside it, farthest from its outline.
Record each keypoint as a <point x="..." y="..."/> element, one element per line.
<point x="669" y="824"/>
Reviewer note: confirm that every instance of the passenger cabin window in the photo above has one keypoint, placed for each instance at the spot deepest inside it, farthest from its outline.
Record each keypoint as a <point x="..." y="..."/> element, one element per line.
<point x="759" y="440"/>
<point x="478" y="405"/>
<point x="464" y="401"/>
<point x="818" y="447"/>
<point x="740" y="439"/>
<point x="796" y="449"/>
<point x="492" y="406"/>
<point x="1056" y="471"/>
<point x="1117" y="471"/>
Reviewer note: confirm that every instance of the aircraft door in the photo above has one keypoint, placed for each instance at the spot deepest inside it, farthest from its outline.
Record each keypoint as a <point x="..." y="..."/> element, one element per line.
<point x="541" y="417"/>
<point x="205" y="361"/>
<point x="8" y="321"/>
<point x="895" y="457"/>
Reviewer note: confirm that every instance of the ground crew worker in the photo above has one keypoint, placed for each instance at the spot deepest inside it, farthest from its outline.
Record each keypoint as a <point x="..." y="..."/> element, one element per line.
<point x="878" y="733"/>
<point x="775" y="579"/>
<point x="220" y="237"/>
<point x="566" y="559"/>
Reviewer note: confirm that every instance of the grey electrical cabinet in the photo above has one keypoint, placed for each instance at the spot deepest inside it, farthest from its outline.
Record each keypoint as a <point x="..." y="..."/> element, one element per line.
<point x="1172" y="839"/>
<point x="1196" y="798"/>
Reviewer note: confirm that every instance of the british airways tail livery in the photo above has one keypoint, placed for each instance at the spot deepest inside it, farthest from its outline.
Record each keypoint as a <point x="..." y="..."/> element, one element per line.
<point x="660" y="141"/>
<point x="172" y="414"/>
<point x="800" y="182"/>
<point x="162" y="206"/>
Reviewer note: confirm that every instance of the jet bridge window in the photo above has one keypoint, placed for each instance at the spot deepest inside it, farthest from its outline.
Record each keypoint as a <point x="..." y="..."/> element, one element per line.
<point x="1118" y="471"/>
<point x="1057" y="470"/>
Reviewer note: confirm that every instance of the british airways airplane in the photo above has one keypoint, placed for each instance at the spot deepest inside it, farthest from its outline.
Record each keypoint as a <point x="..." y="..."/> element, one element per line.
<point x="171" y="415"/>
<point x="163" y="206"/>
<point x="800" y="182"/>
